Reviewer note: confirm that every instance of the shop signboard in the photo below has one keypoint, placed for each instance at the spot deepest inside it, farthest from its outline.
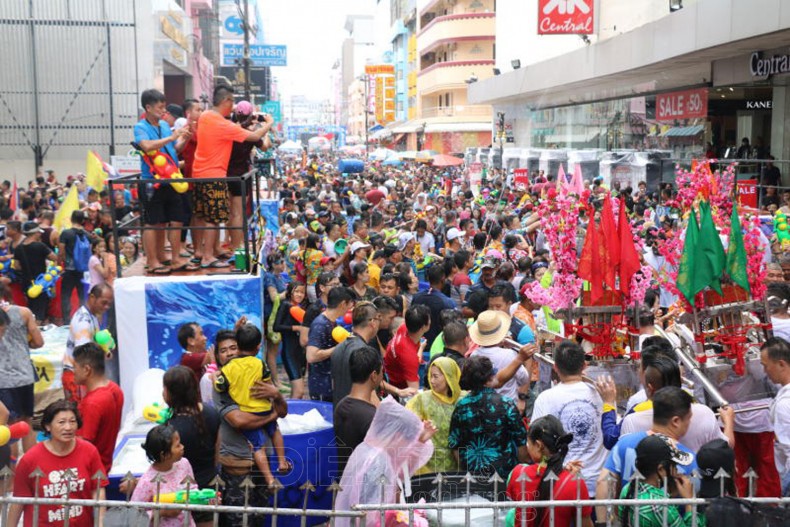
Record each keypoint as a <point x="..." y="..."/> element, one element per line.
<point x="273" y="109"/>
<point x="521" y="178"/>
<point x="687" y="104"/>
<point x="566" y="17"/>
<point x="261" y="55"/>
<point x="747" y="193"/>
<point x="475" y="177"/>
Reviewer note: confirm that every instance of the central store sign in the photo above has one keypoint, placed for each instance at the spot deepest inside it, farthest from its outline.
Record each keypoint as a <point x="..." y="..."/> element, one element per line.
<point x="688" y="104"/>
<point x="566" y="17"/>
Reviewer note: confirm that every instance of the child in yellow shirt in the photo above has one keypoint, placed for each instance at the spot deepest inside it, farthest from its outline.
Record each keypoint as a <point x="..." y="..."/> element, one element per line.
<point x="237" y="378"/>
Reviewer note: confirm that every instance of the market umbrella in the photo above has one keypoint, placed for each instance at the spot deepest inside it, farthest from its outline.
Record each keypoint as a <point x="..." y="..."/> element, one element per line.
<point x="380" y="154"/>
<point x="443" y="160"/>
<point x="392" y="162"/>
<point x="426" y="156"/>
<point x="408" y="154"/>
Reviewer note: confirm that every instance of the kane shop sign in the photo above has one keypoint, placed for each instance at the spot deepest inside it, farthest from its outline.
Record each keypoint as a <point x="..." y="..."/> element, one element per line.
<point x="566" y="17"/>
<point x="765" y="67"/>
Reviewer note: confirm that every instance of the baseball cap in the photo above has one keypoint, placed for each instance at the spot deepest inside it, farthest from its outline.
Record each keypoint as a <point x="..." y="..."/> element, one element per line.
<point x="656" y="448"/>
<point x="358" y="245"/>
<point x="714" y="456"/>
<point x="309" y="212"/>
<point x="490" y="263"/>
<point x="403" y="239"/>
<point x="244" y="108"/>
<point x="454" y="233"/>
<point x="30" y="227"/>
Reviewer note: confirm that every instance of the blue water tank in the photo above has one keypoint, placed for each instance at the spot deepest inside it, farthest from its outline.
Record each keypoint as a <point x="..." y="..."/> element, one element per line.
<point x="350" y="166"/>
<point x="314" y="458"/>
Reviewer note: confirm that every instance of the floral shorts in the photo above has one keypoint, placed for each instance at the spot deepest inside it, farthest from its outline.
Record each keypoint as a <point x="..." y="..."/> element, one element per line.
<point x="210" y="201"/>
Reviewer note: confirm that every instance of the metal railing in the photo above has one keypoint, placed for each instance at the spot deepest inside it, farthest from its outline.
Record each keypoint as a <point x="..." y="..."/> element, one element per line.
<point x="494" y="507"/>
<point x="138" y="222"/>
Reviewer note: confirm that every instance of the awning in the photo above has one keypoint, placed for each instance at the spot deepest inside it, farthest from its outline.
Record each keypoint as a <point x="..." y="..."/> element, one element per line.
<point x="380" y="134"/>
<point x="684" y="131"/>
<point x="407" y="128"/>
<point x="458" y="127"/>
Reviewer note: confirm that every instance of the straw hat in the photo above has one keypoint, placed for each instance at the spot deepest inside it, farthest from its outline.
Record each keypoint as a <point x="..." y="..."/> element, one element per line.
<point x="490" y="328"/>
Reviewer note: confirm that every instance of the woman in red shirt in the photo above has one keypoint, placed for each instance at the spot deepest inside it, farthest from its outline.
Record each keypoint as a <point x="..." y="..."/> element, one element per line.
<point x="62" y="451"/>
<point x="547" y="444"/>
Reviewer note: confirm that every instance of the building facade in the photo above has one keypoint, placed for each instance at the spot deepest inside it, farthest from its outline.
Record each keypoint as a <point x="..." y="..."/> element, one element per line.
<point x="683" y="82"/>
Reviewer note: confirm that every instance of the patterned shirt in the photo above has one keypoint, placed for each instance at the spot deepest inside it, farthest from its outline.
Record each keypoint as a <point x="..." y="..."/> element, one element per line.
<point x="486" y="430"/>
<point x="653" y="515"/>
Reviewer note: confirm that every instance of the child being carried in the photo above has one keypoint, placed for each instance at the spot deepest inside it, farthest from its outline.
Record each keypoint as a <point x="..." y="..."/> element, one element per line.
<point x="237" y="378"/>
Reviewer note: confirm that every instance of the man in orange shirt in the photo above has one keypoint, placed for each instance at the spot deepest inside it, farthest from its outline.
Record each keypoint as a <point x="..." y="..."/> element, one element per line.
<point x="216" y="135"/>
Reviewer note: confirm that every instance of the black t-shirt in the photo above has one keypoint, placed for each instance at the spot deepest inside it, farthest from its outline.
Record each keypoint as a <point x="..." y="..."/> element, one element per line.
<point x="199" y="443"/>
<point x="341" y="369"/>
<point x="770" y="200"/>
<point x="240" y="162"/>
<point x="771" y="176"/>
<point x="68" y="238"/>
<point x="351" y="422"/>
<point x="32" y="258"/>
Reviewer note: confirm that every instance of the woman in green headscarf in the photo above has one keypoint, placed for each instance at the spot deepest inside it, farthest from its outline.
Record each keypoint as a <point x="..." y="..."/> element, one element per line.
<point x="437" y="406"/>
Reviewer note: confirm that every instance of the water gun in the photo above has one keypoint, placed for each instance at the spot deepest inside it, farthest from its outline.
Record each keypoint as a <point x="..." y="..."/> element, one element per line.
<point x="345" y="321"/>
<point x="780" y="228"/>
<point x="297" y="313"/>
<point x="45" y="282"/>
<point x="17" y="430"/>
<point x="157" y="413"/>
<point x="105" y="341"/>
<point x="162" y="166"/>
<point x="195" y="497"/>
<point x="7" y="268"/>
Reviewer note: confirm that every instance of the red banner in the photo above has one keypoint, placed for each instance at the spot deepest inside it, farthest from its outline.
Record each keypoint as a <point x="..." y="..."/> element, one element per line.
<point x="689" y="104"/>
<point x="521" y="178"/>
<point x="747" y="193"/>
<point x="566" y="17"/>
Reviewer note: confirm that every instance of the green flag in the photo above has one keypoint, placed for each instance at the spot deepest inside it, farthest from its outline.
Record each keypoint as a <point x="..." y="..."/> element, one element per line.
<point x="736" y="253"/>
<point x="687" y="259"/>
<point x="710" y="257"/>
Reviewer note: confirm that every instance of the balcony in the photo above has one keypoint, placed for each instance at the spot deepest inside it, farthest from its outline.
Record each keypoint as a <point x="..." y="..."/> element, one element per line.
<point x="444" y="76"/>
<point x="454" y="28"/>
<point x="469" y="112"/>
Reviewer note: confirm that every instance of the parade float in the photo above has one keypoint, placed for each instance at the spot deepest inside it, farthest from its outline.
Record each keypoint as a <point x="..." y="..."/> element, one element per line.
<point x="712" y="260"/>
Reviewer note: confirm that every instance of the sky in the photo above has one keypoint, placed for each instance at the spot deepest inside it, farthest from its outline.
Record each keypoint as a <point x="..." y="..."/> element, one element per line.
<point x="313" y="31"/>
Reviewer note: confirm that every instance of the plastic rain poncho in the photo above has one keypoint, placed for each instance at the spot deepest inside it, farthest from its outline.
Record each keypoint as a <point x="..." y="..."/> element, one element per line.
<point x="391" y="449"/>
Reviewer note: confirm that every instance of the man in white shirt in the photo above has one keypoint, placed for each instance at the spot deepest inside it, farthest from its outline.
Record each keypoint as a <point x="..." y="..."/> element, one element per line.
<point x="662" y="371"/>
<point x="488" y="332"/>
<point x="775" y="358"/>
<point x="424" y="238"/>
<point x="578" y="406"/>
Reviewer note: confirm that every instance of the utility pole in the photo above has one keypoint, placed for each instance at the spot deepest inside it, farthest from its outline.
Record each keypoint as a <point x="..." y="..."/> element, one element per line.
<point x="246" y="59"/>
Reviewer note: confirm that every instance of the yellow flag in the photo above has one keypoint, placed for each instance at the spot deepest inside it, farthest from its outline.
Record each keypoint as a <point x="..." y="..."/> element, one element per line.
<point x="70" y="203"/>
<point x="95" y="176"/>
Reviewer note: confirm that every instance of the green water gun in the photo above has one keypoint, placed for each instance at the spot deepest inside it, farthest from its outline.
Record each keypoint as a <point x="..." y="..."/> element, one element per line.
<point x="196" y="497"/>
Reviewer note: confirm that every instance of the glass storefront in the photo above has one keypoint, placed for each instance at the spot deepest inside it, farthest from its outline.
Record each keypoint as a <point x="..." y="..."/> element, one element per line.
<point x="638" y="124"/>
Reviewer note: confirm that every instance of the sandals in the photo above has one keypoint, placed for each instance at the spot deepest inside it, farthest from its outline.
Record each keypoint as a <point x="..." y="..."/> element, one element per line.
<point x="216" y="264"/>
<point x="162" y="270"/>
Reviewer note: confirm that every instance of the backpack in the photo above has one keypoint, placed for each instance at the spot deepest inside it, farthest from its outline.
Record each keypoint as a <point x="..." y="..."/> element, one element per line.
<point x="82" y="252"/>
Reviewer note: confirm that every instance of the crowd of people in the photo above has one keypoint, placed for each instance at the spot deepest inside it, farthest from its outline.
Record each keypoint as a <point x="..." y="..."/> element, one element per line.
<point x="398" y="295"/>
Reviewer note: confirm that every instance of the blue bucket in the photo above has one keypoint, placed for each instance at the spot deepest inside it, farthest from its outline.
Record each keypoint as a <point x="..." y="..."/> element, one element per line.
<point x="314" y="458"/>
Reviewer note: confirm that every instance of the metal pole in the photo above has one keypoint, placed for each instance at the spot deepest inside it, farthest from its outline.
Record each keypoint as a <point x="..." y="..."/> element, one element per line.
<point x="37" y="151"/>
<point x="109" y="86"/>
<point x="246" y="63"/>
